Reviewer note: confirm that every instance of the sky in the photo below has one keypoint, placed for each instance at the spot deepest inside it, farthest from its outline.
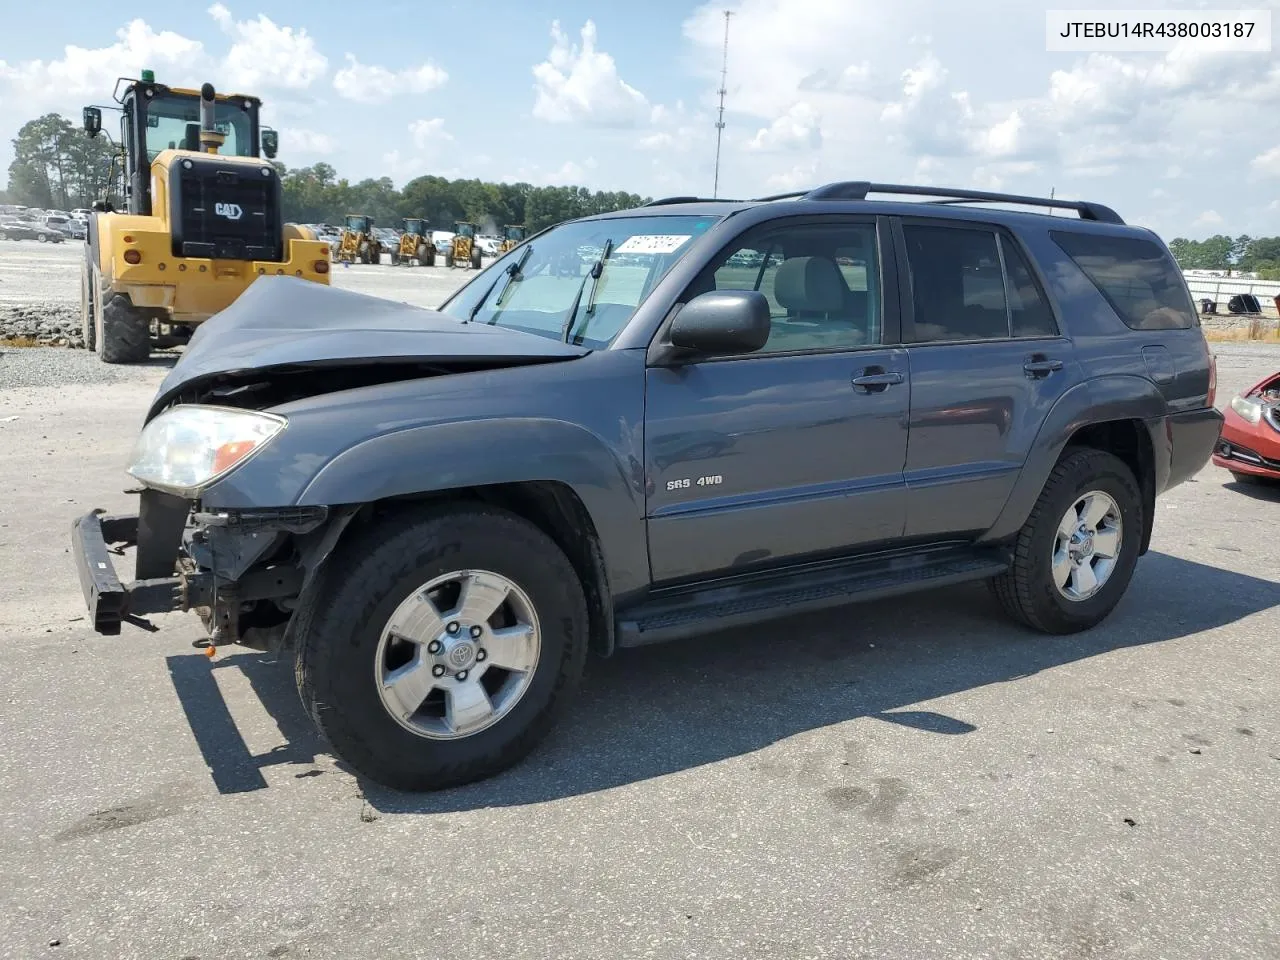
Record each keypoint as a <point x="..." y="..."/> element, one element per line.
<point x="622" y="95"/>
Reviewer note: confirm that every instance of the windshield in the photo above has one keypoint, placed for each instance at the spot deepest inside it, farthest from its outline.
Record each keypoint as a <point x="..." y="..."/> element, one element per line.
<point x="356" y="224"/>
<point x="554" y="286"/>
<point x="174" y="123"/>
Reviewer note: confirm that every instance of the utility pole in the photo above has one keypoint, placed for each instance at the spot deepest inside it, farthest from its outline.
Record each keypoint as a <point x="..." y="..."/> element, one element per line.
<point x="1052" y="192"/>
<point x="724" y="76"/>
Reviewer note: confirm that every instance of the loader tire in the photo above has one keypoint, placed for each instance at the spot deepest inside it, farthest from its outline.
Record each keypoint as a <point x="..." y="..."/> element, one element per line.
<point x="475" y="259"/>
<point x="126" y="332"/>
<point x="448" y="260"/>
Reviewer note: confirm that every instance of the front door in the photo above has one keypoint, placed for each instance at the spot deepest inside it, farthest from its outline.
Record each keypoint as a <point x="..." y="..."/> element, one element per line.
<point x="987" y="364"/>
<point x="795" y="450"/>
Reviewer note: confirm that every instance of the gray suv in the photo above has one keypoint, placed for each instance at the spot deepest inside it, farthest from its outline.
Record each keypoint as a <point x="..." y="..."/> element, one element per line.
<point x="641" y="426"/>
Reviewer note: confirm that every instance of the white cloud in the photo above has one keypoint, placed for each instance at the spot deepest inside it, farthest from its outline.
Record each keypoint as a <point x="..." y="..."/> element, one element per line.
<point x="91" y="73"/>
<point x="798" y="129"/>
<point x="429" y="133"/>
<point x="1268" y="163"/>
<point x="266" y="54"/>
<point x="581" y="85"/>
<point x="368" y="83"/>
<point x="301" y="141"/>
<point x="1210" y="218"/>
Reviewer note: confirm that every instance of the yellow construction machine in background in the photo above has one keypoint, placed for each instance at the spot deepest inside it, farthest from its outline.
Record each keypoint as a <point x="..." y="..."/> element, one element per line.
<point x="513" y="234"/>
<point x="359" y="244"/>
<point x="415" y="245"/>
<point x="202" y="219"/>
<point x="463" y="251"/>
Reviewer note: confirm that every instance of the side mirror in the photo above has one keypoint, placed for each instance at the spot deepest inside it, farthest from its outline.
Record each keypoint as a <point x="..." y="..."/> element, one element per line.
<point x="722" y="322"/>
<point x="270" y="143"/>
<point x="92" y="121"/>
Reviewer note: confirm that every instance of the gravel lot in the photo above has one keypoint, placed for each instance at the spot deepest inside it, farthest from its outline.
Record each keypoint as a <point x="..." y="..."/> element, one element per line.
<point x="911" y="780"/>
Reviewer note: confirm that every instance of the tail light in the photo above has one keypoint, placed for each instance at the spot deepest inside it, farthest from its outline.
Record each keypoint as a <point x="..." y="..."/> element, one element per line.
<point x="320" y="266"/>
<point x="132" y="256"/>
<point x="1213" y="378"/>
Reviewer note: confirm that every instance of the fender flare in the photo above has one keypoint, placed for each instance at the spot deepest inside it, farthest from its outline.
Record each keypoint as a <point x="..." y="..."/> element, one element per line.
<point x="1098" y="400"/>
<point x="437" y="458"/>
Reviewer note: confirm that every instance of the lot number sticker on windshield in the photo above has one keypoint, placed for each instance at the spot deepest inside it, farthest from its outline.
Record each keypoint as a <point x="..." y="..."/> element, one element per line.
<point x="653" y="243"/>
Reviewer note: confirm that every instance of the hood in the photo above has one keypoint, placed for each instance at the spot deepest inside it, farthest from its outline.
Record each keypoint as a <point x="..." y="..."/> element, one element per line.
<point x="283" y="325"/>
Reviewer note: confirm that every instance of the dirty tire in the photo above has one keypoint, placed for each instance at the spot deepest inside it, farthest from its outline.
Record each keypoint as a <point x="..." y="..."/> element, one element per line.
<point x="126" y="333"/>
<point x="364" y="583"/>
<point x="475" y="260"/>
<point x="448" y="259"/>
<point x="1027" y="591"/>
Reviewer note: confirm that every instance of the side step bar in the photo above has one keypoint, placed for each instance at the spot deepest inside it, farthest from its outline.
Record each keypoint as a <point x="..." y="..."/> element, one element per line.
<point x="720" y="606"/>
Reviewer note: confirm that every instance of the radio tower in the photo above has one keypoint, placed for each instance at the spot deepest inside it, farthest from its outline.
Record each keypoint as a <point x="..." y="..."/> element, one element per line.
<point x="724" y="76"/>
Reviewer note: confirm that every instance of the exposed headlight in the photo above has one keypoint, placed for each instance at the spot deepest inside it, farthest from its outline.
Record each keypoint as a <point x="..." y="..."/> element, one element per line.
<point x="1250" y="410"/>
<point x="188" y="447"/>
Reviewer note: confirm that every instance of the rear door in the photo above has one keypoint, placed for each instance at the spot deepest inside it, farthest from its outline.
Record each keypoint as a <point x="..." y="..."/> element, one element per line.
<point x="987" y="361"/>
<point x="795" y="450"/>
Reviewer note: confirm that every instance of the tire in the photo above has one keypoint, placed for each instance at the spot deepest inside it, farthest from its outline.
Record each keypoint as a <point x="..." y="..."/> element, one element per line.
<point x="3" y="235"/>
<point x="448" y="260"/>
<point x="475" y="260"/>
<point x="88" y="325"/>
<point x="341" y="651"/>
<point x="1029" y="591"/>
<point x="126" y="332"/>
<point x="42" y="238"/>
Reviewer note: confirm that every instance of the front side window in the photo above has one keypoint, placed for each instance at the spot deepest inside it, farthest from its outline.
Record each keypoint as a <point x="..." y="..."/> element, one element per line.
<point x="821" y="281"/>
<point x="1139" y="280"/>
<point x="579" y="282"/>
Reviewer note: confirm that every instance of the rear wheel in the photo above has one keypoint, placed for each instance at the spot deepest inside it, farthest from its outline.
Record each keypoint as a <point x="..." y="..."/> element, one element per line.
<point x="126" y="332"/>
<point x="43" y="238"/>
<point x="448" y="259"/>
<point x="442" y="646"/>
<point x="1075" y="556"/>
<point x="475" y="259"/>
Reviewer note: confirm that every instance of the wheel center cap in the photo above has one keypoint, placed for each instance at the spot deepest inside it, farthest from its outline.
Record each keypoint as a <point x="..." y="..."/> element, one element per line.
<point x="461" y="654"/>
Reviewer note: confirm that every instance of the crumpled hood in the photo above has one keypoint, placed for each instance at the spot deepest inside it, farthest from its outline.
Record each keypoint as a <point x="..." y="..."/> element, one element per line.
<point x="286" y="322"/>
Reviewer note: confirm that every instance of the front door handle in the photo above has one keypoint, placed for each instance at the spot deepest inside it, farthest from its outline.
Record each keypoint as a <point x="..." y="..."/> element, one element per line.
<point x="876" y="379"/>
<point x="1041" y="366"/>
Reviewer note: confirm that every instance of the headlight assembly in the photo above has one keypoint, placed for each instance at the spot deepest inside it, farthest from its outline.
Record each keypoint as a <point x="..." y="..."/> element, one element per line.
<point x="1249" y="410"/>
<point x="188" y="447"/>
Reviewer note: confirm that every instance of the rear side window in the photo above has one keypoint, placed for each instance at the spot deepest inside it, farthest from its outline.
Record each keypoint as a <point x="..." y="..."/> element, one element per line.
<point x="1138" y="279"/>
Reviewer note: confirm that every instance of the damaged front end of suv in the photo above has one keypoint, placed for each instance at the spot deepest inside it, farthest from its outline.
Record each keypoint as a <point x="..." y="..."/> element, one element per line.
<point x="233" y="453"/>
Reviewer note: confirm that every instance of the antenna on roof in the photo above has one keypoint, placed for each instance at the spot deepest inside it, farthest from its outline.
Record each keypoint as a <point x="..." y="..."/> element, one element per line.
<point x="1051" y="193"/>
<point x="724" y="76"/>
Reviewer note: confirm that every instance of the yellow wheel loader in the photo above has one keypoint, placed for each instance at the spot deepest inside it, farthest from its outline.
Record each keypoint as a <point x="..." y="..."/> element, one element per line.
<point x="513" y="234"/>
<point x="359" y="244"/>
<point x="463" y="251"/>
<point x="202" y="219"/>
<point x="415" y="245"/>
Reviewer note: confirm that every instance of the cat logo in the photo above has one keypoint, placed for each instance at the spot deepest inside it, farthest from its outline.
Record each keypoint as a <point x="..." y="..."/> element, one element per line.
<point x="231" y="211"/>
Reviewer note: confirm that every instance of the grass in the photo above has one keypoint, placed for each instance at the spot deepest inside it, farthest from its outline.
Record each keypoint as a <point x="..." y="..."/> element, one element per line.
<point x="19" y="342"/>
<point x="1258" y="331"/>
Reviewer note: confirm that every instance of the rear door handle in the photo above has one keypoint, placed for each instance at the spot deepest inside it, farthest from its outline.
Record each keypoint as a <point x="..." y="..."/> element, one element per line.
<point x="875" y="379"/>
<point x="1041" y="366"/>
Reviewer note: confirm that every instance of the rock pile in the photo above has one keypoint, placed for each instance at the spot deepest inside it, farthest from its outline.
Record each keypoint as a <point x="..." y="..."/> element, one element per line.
<point x="54" y="325"/>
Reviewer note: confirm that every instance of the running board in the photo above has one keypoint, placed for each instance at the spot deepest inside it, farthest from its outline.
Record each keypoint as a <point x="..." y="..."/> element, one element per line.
<point x="717" y="607"/>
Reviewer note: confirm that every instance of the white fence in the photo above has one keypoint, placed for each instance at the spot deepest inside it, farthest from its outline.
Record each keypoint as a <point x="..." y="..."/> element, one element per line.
<point x="1220" y="290"/>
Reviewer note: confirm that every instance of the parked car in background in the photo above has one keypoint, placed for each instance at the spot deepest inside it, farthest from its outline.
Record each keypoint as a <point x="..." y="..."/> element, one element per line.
<point x="77" y="229"/>
<point x="1249" y="445"/>
<point x="30" y="230"/>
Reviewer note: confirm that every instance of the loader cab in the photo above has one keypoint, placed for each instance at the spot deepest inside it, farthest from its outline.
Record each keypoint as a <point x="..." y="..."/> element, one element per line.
<point x="415" y="227"/>
<point x="359" y="224"/>
<point x="467" y="230"/>
<point x="514" y="234"/>
<point x="155" y="117"/>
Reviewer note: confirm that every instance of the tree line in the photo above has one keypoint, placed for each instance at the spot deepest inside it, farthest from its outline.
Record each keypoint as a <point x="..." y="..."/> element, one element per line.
<point x="1244" y="254"/>
<point x="57" y="166"/>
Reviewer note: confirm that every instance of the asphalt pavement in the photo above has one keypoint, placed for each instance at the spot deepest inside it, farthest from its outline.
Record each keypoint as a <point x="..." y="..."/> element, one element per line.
<point x="906" y="779"/>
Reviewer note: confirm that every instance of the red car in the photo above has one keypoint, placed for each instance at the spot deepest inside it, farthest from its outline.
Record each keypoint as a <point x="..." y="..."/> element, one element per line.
<point x="1249" y="445"/>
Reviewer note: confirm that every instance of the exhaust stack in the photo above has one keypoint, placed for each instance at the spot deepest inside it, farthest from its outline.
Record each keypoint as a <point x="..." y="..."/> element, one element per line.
<point x="210" y="138"/>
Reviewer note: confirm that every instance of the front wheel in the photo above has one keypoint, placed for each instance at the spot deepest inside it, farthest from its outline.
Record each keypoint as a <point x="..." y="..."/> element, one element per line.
<point x="1075" y="556"/>
<point x="42" y="238"/>
<point x="442" y="646"/>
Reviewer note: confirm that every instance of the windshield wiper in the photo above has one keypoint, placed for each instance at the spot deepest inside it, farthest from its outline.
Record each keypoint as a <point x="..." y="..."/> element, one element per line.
<point x="509" y="274"/>
<point x="592" y="277"/>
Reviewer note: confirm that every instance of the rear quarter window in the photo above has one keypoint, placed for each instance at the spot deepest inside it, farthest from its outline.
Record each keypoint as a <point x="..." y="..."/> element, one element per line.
<point x="1139" y="280"/>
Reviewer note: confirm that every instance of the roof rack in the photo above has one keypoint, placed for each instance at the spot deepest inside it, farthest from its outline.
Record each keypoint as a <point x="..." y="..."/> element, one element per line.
<point x="663" y="201"/>
<point x="858" y="190"/>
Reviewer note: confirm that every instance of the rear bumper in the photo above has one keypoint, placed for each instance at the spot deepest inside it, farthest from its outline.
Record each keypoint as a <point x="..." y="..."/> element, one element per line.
<point x="111" y="602"/>
<point x="1192" y="438"/>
